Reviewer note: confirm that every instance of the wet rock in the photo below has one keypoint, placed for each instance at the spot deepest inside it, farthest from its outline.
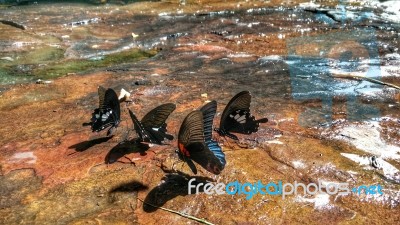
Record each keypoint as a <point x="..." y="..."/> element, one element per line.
<point x="280" y="53"/>
<point x="83" y="22"/>
<point x="26" y="69"/>
<point x="142" y="82"/>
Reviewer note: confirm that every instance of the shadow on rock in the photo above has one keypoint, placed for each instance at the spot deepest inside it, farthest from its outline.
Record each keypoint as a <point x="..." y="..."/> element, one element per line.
<point x="174" y="185"/>
<point x="125" y="148"/>
<point x="130" y="187"/>
<point x="85" y="145"/>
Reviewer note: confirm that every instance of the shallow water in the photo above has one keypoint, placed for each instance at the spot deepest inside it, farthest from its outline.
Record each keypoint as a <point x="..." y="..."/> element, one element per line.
<point x="286" y="53"/>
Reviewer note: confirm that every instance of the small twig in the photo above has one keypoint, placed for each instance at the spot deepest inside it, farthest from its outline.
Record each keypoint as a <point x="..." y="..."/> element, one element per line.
<point x="13" y="24"/>
<point x="178" y="213"/>
<point x="346" y="136"/>
<point x="133" y="208"/>
<point x="132" y="162"/>
<point x="358" y="77"/>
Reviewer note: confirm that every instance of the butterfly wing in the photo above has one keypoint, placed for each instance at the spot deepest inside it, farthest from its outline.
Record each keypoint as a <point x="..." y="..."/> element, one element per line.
<point x="157" y="116"/>
<point x="208" y="159"/>
<point x="111" y="101"/>
<point x="190" y="137"/>
<point x="241" y="101"/>
<point x="192" y="145"/>
<point x="108" y="113"/>
<point x="137" y="125"/>
<point x="216" y="149"/>
<point x="237" y="117"/>
<point x="209" y="110"/>
<point x="243" y="122"/>
<point x="191" y="134"/>
<point x="154" y="122"/>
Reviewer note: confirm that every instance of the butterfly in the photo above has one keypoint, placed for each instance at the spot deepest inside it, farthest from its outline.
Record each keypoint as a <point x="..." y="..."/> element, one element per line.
<point x="152" y="128"/>
<point x="237" y="117"/>
<point x="195" y="143"/>
<point x="108" y="113"/>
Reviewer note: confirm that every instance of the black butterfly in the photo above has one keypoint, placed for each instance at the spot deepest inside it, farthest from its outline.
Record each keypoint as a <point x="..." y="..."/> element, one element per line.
<point x="237" y="117"/>
<point x="108" y="113"/>
<point x="195" y="143"/>
<point x="152" y="128"/>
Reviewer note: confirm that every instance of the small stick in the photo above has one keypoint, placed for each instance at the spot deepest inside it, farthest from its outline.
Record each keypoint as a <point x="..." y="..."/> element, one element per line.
<point x="13" y="24"/>
<point x="358" y="77"/>
<point x="178" y="213"/>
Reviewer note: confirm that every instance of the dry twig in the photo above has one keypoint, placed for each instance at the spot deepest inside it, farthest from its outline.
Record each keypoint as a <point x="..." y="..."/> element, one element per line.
<point x="357" y="77"/>
<point x="179" y="213"/>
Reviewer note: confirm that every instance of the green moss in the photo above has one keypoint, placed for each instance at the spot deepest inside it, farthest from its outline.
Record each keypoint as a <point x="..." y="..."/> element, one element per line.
<point x="48" y="63"/>
<point x="7" y="78"/>
<point x="37" y="55"/>
<point x="78" y="65"/>
<point x="43" y="55"/>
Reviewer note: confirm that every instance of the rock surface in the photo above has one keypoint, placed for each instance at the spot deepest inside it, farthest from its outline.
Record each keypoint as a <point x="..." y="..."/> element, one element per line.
<point x="320" y="129"/>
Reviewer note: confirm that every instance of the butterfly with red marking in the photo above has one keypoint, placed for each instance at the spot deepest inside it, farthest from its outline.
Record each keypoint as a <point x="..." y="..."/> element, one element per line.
<point x="195" y="142"/>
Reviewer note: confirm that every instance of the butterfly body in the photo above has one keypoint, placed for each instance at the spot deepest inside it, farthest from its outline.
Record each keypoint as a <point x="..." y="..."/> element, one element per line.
<point x="152" y="128"/>
<point x="108" y="113"/>
<point x="195" y="143"/>
<point x="237" y="117"/>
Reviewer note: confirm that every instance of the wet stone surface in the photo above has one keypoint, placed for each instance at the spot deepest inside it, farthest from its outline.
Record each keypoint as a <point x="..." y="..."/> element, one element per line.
<point x="321" y="128"/>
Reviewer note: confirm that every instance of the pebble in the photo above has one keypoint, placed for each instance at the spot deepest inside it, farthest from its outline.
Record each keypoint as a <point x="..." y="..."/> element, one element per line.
<point x="39" y="81"/>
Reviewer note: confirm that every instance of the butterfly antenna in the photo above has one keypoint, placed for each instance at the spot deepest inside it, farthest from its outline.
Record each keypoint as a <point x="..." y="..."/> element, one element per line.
<point x="227" y="142"/>
<point x="155" y="154"/>
<point x="164" y="168"/>
<point x="98" y="164"/>
<point x="161" y="163"/>
<point x="183" y="163"/>
<point x="219" y="138"/>
<point x="241" y="146"/>
<point x="72" y="153"/>
<point x="130" y="160"/>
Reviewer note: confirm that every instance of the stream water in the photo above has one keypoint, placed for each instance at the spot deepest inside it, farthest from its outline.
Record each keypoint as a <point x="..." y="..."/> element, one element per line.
<point x="323" y="72"/>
